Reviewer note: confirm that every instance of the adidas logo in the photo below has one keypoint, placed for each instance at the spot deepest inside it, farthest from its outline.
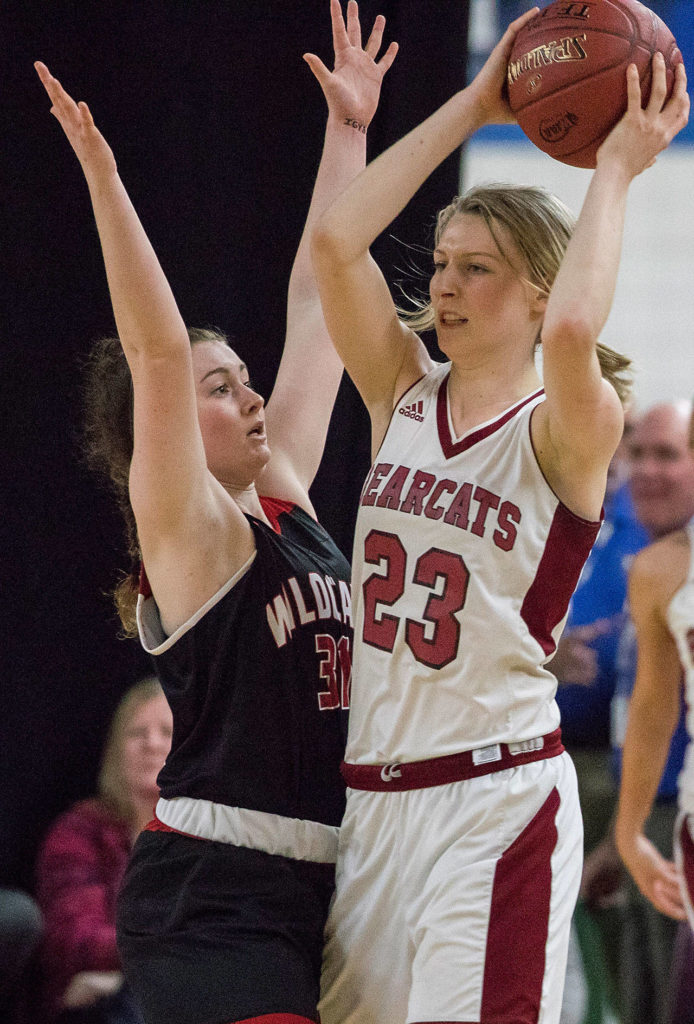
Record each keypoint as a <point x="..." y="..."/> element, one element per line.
<point x="414" y="410"/>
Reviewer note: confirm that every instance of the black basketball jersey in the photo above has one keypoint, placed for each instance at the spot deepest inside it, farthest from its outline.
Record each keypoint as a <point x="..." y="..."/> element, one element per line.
<point x="258" y="680"/>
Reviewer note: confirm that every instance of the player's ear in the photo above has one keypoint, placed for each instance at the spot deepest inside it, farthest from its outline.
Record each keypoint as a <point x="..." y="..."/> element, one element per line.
<point x="537" y="301"/>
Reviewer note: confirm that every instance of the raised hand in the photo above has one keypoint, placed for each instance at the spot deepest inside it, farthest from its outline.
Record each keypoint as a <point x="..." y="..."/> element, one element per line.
<point x="489" y="86"/>
<point x="91" y="149"/>
<point x="353" y="88"/>
<point x="644" y="132"/>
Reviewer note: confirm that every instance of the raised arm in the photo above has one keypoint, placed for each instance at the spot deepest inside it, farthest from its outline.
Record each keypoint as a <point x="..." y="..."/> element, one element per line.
<point x="169" y="459"/>
<point x="192" y="535"/>
<point x="382" y="356"/>
<point x="581" y="422"/>
<point x="299" y="410"/>
<point x="653" y="712"/>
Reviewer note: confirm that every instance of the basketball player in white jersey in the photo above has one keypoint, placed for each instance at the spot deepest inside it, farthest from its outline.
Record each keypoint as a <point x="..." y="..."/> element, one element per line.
<point x="460" y="850"/>
<point x="661" y="599"/>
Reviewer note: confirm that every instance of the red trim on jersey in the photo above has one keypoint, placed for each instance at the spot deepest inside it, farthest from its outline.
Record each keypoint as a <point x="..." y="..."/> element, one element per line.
<point x="518" y="922"/>
<point x="451" y="447"/>
<point x="567" y="547"/>
<point x="273" y="509"/>
<point x="687" y="848"/>
<point x="143" y="585"/>
<point x="439" y="771"/>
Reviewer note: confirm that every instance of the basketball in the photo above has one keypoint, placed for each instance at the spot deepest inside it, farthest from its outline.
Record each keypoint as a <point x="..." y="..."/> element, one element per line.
<point x="567" y="72"/>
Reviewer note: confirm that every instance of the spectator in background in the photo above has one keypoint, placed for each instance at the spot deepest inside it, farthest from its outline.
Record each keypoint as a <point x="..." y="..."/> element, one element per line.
<point x="20" y="932"/>
<point x="662" y="488"/>
<point x="82" y="860"/>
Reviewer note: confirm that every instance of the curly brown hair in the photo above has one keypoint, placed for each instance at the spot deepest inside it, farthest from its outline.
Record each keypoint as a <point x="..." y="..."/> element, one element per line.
<point x="108" y="444"/>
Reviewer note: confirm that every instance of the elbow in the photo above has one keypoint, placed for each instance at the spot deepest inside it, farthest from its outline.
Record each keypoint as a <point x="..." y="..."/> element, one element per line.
<point x="573" y="331"/>
<point x="329" y="243"/>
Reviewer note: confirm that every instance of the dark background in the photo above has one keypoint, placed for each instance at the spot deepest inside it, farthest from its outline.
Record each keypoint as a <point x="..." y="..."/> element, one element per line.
<point x="216" y="124"/>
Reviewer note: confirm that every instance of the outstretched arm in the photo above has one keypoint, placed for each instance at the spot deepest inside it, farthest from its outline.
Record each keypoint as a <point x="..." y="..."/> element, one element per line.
<point x="169" y="460"/>
<point x="298" y="412"/>
<point x="582" y="419"/>
<point x="653" y="712"/>
<point x="381" y="355"/>
<point x="193" y="536"/>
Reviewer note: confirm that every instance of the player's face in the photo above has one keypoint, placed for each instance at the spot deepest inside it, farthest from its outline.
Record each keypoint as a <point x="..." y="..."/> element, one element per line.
<point x="145" y="742"/>
<point x="231" y="415"/>
<point x="662" y="470"/>
<point x="480" y="300"/>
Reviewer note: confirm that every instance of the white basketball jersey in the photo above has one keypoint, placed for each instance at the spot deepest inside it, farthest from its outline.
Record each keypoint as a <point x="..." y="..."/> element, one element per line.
<point x="680" y="618"/>
<point x="464" y="565"/>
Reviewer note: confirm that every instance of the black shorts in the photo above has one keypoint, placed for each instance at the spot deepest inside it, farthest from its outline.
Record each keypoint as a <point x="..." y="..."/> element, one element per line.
<point x="211" y="933"/>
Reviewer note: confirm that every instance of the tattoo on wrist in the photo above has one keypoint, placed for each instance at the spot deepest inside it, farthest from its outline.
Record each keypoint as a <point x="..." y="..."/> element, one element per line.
<point x="357" y="125"/>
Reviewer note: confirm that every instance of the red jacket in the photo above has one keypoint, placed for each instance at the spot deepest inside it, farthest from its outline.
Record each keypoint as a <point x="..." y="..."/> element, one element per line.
<point x="79" y="870"/>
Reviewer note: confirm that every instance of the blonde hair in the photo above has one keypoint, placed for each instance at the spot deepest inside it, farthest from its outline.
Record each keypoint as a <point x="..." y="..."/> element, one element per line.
<point x="540" y="226"/>
<point x="110" y="784"/>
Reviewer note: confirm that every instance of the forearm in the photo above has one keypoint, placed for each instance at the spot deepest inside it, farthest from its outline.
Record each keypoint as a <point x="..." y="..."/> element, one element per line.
<point x="646" y="747"/>
<point x="342" y="158"/>
<point x="144" y="307"/>
<point x="365" y="209"/>
<point x="583" y="290"/>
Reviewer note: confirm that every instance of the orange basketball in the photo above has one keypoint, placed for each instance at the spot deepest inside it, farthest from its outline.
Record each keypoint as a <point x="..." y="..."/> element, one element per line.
<point x="567" y="72"/>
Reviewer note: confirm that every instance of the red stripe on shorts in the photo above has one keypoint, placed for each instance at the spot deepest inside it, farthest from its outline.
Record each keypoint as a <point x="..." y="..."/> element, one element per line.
<point x="518" y="923"/>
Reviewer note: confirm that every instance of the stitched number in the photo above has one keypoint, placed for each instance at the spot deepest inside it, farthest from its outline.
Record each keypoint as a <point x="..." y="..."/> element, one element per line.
<point x="441" y="647"/>
<point x="383" y="590"/>
<point x="334" y="657"/>
<point x="434" y="641"/>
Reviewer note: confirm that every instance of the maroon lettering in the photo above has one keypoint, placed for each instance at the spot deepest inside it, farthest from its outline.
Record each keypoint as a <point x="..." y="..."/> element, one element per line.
<point x="459" y="509"/>
<point x="369" y="492"/>
<point x="431" y="509"/>
<point x="486" y="500"/>
<point x="509" y="517"/>
<point x="420" y="487"/>
<point x="390" y="495"/>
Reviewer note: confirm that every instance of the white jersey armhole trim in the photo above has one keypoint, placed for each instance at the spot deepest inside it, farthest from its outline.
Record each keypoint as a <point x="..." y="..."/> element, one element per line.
<point x="152" y="636"/>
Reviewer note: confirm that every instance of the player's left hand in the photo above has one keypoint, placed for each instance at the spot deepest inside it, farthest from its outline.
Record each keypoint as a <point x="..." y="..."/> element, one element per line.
<point x="353" y="88"/>
<point x="642" y="133"/>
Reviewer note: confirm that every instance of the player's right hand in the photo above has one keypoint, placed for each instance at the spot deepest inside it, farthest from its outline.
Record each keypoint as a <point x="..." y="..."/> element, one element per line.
<point x="488" y="87"/>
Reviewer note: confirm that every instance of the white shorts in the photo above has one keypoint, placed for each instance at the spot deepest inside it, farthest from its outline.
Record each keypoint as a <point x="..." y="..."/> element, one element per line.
<point x="454" y="903"/>
<point x="684" y="856"/>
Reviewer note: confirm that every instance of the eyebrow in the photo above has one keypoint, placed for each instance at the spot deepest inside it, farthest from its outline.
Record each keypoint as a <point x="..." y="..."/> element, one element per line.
<point x="443" y="252"/>
<point x="223" y="369"/>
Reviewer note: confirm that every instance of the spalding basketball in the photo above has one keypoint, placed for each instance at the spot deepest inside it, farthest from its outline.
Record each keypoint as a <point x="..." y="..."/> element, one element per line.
<point x="567" y="72"/>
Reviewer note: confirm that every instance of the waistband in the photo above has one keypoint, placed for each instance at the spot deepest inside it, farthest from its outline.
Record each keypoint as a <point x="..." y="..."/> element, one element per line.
<point x="438" y="771"/>
<point x="296" y="838"/>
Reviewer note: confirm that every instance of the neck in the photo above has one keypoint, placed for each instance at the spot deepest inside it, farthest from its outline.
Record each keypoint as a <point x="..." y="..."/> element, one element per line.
<point x="247" y="499"/>
<point x="476" y="395"/>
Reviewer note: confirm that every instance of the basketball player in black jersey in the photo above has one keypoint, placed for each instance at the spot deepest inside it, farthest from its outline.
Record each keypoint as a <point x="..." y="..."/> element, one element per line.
<point x="243" y="602"/>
